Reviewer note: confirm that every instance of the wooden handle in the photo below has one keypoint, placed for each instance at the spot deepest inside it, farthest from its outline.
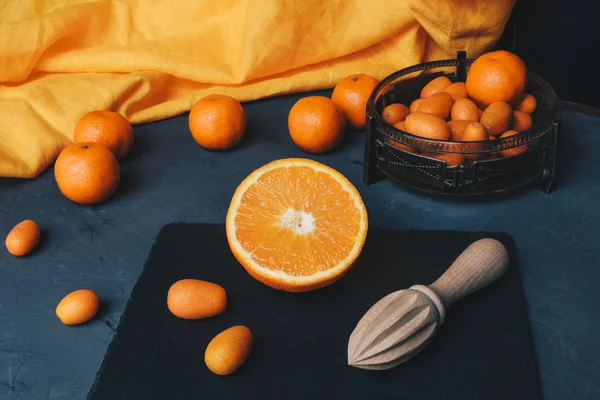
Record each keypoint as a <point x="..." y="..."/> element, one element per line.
<point x="480" y="264"/>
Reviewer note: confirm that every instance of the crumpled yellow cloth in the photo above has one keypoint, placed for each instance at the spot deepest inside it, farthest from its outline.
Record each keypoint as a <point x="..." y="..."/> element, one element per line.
<point x="152" y="59"/>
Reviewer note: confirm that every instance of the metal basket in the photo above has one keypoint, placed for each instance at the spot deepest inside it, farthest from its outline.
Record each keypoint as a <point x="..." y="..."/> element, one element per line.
<point x="483" y="176"/>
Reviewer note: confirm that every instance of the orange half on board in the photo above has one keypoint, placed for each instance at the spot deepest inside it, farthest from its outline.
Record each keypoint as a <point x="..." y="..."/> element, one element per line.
<point x="296" y="224"/>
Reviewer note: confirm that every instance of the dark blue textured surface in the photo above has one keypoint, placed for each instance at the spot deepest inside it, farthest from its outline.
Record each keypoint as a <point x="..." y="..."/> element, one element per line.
<point x="169" y="178"/>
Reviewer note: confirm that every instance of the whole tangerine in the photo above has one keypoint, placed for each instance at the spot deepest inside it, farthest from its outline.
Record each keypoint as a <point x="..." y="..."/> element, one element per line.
<point x="497" y="76"/>
<point x="415" y="105"/>
<point x="87" y="173"/>
<point x="78" y="307"/>
<point x="474" y="132"/>
<point x="521" y="121"/>
<point x="196" y="299"/>
<point x="229" y="350"/>
<point x="427" y="126"/>
<point x="395" y="112"/>
<point x="217" y="122"/>
<point x="435" y="85"/>
<point x="108" y="128"/>
<point x="316" y="124"/>
<point x="439" y="104"/>
<point x="351" y="95"/>
<point x="528" y="104"/>
<point x="457" y="90"/>
<point x="23" y="238"/>
<point x="465" y="110"/>
<point x="497" y="117"/>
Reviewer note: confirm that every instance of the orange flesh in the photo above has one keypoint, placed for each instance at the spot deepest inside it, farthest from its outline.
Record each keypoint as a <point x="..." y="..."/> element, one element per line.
<point x="297" y="220"/>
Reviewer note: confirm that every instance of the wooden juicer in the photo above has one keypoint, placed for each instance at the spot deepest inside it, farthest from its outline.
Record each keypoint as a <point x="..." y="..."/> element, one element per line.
<point x="400" y="325"/>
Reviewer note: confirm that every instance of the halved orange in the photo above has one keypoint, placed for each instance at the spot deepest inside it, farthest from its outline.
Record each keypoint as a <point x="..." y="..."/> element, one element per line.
<point x="296" y="224"/>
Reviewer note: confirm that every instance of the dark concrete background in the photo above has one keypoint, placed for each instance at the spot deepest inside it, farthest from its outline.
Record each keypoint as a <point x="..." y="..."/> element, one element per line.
<point x="169" y="178"/>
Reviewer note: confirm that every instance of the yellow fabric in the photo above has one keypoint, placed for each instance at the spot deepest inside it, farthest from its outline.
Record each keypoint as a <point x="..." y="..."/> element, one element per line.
<point x="152" y="59"/>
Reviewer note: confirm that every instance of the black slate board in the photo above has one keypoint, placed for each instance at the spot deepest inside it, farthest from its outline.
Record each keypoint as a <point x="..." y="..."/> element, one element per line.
<point x="482" y="351"/>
